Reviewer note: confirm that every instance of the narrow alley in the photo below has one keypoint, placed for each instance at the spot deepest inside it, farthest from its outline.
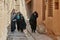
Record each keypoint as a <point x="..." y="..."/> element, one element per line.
<point x="46" y="21"/>
<point x="26" y="35"/>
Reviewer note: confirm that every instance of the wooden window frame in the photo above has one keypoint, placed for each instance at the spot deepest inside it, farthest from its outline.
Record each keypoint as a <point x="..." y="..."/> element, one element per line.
<point x="50" y="8"/>
<point x="57" y="4"/>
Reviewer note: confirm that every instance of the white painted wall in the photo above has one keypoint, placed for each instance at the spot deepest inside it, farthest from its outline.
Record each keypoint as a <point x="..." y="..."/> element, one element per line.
<point x="23" y="8"/>
<point x="5" y="14"/>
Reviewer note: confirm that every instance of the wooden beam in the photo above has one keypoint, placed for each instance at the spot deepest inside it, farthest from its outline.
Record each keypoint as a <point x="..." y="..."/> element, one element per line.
<point x="28" y="1"/>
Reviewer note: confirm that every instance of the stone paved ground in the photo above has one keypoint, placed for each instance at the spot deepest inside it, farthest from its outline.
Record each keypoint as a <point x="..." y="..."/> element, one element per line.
<point x="27" y="35"/>
<point x="36" y="35"/>
<point x="18" y="35"/>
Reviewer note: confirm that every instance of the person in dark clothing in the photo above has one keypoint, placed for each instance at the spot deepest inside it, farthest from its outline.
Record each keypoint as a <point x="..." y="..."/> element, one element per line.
<point x="20" y="22"/>
<point x="13" y="20"/>
<point x="33" y="21"/>
<point x="18" y="18"/>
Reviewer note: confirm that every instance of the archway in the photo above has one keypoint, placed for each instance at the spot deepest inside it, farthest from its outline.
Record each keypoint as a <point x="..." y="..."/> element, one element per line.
<point x="29" y="8"/>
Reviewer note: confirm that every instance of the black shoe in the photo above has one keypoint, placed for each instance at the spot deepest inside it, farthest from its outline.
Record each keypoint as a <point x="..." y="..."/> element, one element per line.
<point x="21" y="30"/>
<point x="34" y="31"/>
<point x="12" y="31"/>
<point x="18" y="30"/>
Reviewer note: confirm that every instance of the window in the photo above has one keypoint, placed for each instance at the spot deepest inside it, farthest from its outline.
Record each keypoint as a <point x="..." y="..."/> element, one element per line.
<point x="56" y="4"/>
<point x="50" y="8"/>
<point x="43" y="10"/>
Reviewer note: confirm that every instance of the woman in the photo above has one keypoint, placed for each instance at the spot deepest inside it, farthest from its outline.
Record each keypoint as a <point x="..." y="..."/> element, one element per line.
<point x="18" y="18"/>
<point x="23" y="24"/>
<point x="20" y="22"/>
<point x="33" y="21"/>
<point x="13" y="20"/>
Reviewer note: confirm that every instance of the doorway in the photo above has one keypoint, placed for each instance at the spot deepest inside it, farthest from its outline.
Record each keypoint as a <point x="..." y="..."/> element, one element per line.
<point x="29" y="8"/>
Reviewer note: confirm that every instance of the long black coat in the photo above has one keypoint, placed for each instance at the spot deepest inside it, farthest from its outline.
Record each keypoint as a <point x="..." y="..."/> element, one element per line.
<point x="13" y="26"/>
<point x="33" y="21"/>
<point x="21" y="24"/>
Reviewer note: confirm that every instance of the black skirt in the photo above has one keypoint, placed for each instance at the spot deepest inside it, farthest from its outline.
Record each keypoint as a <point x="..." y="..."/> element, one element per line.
<point x="13" y="27"/>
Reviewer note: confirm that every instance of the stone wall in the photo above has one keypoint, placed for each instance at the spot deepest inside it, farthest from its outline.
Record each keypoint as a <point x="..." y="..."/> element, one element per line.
<point x="37" y="6"/>
<point x="56" y="18"/>
<point x="6" y="7"/>
<point x="52" y="15"/>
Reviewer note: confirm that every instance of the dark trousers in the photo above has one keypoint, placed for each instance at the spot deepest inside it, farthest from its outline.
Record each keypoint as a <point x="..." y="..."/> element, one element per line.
<point x="33" y="28"/>
<point x="18" y="25"/>
<point x="13" y="26"/>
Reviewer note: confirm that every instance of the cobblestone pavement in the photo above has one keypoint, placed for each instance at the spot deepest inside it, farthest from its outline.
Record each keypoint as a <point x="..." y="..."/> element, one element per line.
<point x="36" y="35"/>
<point x="27" y="35"/>
<point x="18" y="35"/>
